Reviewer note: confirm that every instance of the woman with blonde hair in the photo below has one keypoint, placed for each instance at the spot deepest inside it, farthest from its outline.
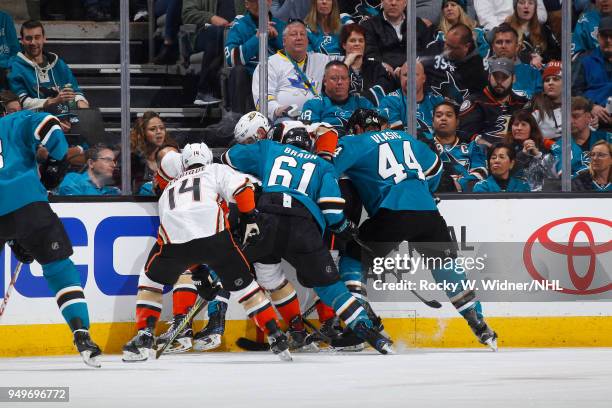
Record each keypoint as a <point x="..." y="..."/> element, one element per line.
<point x="538" y="43"/>
<point x="148" y="134"/>
<point x="454" y="12"/>
<point x="598" y="176"/>
<point x="323" y="23"/>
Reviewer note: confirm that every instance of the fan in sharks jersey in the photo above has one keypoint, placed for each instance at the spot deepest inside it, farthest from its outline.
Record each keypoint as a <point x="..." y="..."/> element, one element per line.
<point x="294" y="75"/>
<point x="300" y="199"/>
<point x="485" y="115"/>
<point x="464" y="163"/>
<point x="355" y="11"/>
<point x="335" y="106"/>
<point x="394" y="175"/>
<point x="505" y="44"/>
<point x="393" y="106"/>
<point x="455" y="71"/>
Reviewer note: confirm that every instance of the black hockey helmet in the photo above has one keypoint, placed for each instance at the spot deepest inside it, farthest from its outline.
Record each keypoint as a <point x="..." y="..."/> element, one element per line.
<point x="364" y="118"/>
<point x="297" y="137"/>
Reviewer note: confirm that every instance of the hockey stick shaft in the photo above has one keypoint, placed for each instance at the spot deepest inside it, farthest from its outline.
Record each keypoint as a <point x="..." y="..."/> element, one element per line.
<point x="431" y="303"/>
<point x="198" y="305"/>
<point x="7" y="295"/>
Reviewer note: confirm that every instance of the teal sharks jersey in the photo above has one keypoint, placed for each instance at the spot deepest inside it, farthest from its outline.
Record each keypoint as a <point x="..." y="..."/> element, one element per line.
<point x="20" y="135"/>
<point x="287" y="169"/>
<point x="390" y="169"/>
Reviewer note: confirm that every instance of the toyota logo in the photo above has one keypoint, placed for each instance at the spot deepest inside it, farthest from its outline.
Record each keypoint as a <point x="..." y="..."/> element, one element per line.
<point x="583" y="277"/>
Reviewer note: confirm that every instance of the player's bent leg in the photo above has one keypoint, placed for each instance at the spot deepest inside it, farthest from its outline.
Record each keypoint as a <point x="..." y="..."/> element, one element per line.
<point x="466" y="303"/>
<point x="234" y="271"/>
<point x="285" y="300"/>
<point x="210" y="337"/>
<point x="260" y="310"/>
<point x="64" y="280"/>
<point x="148" y="311"/>
<point x="41" y="233"/>
<point x="184" y="295"/>
<point x="350" y="310"/>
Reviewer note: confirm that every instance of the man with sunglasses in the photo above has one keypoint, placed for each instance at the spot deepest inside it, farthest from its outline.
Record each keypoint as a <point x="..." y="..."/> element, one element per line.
<point x="95" y="180"/>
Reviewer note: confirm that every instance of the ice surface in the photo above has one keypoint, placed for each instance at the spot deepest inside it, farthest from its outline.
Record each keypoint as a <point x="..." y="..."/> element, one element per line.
<point x="415" y="378"/>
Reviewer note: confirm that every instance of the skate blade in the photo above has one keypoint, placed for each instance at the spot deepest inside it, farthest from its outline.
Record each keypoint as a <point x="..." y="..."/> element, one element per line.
<point x="179" y="346"/>
<point x="387" y="349"/>
<point x="352" y="349"/>
<point x="142" y="355"/>
<point x="207" y="343"/>
<point x="89" y="360"/>
<point x="492" y="344"/>
<point x="285" y="355"/>
<point x="307" y="348"/>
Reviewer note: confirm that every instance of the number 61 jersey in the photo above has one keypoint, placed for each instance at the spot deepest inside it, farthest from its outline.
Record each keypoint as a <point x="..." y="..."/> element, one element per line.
<point x="191" y="205"/>
<point x="284" y="168"/>
<point x="390" y="169"/>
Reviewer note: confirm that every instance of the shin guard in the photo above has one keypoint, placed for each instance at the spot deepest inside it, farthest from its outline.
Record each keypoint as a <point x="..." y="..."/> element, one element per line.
<point x="64" y="280"/>
<point x="148" y="302"/>
<point x="184" y="295"/>
<point x="285" y="300"/>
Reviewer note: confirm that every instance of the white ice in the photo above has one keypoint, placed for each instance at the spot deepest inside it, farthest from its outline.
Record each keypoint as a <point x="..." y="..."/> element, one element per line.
<point x="414" y="378"/>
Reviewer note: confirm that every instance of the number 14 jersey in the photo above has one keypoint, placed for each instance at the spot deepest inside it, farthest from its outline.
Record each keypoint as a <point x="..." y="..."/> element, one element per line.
<point x="191" y="206"/>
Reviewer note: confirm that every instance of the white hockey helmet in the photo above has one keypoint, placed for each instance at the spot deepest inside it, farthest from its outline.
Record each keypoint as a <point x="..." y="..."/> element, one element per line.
<point x="171" y="165"/>
<point x="247" y="126"/>
<point x="196" y="153"/>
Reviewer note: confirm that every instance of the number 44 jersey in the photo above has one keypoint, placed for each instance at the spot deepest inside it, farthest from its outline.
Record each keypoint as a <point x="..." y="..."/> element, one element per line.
<point x="191" y="206"/>
<point x="390" y="169"/>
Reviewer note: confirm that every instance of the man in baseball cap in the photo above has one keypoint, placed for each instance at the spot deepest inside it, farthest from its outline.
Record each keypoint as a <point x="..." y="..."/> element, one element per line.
<point x="484" y="116"/>
<point x="501" y="76"/>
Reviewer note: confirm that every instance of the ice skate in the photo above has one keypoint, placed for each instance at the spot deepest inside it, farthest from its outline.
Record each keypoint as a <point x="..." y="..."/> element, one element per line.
<point x="182" y="343"/>
<point x="87" y="348"/>
<point x="300" y="340"/>
<point x="374" y="338"/>
<point x="209" y="338"/>
<point x="278" y="341"/>
<point x="483" y="332"/>
<point x="330" y="329"/>
<point x="140" y="347"/>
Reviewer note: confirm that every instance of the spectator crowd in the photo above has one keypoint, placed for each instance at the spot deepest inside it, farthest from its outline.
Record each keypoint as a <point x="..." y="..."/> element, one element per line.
<point x="488" y="82"/>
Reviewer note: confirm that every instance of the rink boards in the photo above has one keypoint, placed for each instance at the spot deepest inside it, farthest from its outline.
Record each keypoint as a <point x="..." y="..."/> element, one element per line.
<point x="111" y="242"/>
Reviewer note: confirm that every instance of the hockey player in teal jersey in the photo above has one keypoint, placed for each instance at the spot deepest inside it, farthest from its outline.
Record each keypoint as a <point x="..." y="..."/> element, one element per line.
<point x="300" y="199"/>
<point x="27" y="221"/>
<point x="394" y="175"/>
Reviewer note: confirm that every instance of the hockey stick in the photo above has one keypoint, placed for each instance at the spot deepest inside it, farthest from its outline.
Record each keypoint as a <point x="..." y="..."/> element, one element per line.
<point x="431" y="303"/>
<point x="198" y="305"/>
<point x="10" y="287"/>
<point x="251" y="345"/>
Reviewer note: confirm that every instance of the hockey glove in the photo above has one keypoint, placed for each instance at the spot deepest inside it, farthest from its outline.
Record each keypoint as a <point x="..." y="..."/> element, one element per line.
<point x="20" y="252"/>
<point x="52" y="172"/>
<point x="345" y="230"/>
<point x="206" y="289"/>
<point x="251" y="229"/>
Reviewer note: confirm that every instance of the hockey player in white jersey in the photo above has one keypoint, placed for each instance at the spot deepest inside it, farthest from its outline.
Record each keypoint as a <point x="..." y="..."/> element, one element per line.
<point x="193" y="230"/>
